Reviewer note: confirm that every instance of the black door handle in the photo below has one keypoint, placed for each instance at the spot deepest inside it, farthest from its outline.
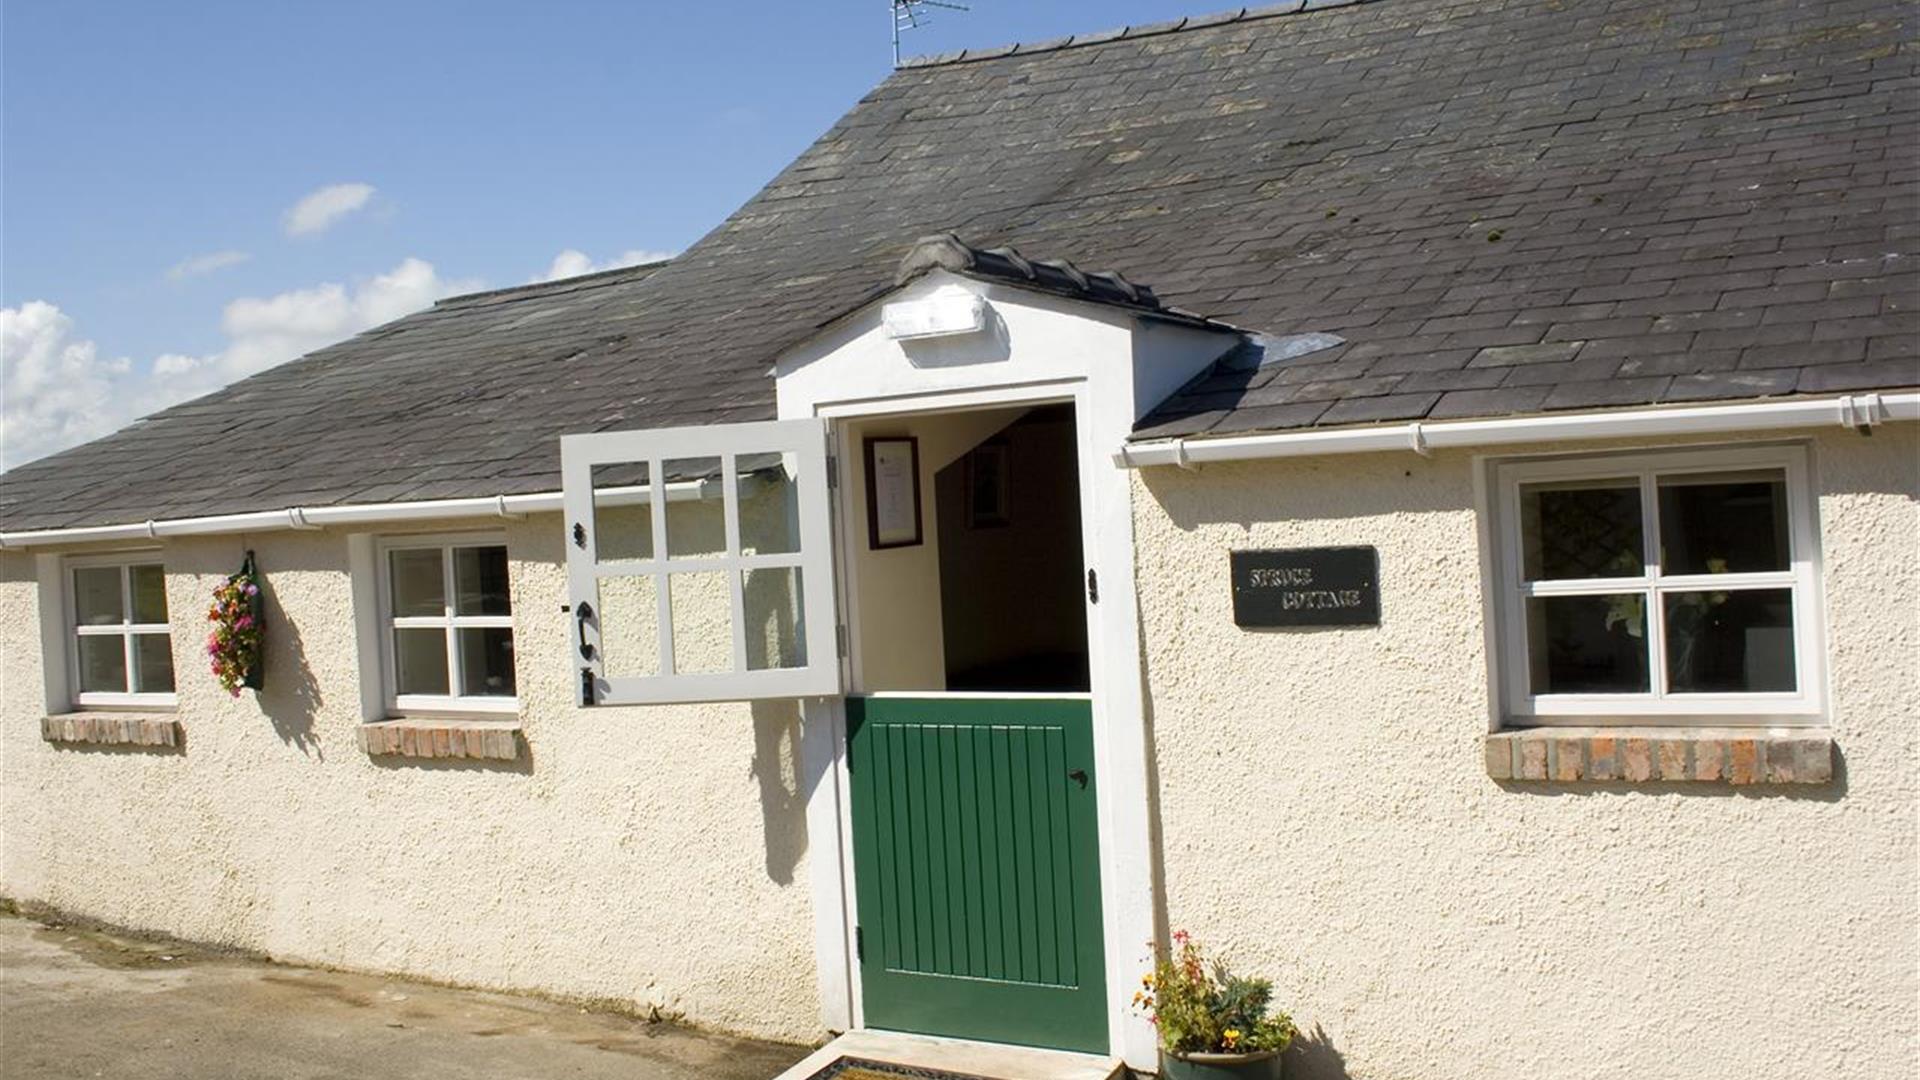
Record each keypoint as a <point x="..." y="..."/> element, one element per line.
<point x="1078" y="776"/>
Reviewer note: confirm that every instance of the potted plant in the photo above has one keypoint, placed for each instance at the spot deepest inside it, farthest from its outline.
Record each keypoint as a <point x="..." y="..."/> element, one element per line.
<point x="233" y="645"/>
<point x="1213" y="1024"/>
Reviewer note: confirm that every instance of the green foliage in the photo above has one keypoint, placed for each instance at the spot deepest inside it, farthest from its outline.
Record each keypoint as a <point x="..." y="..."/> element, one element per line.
<point x="1199" y="1006"/>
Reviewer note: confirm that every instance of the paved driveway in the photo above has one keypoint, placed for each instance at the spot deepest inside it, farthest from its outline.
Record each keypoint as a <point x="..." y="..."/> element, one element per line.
<point x="77" y="1004"/>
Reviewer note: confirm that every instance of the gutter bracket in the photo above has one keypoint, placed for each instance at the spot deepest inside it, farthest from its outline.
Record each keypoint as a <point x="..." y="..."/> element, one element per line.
<point x="1862" y="413"/>
<point x="297" y="519"/>
<point x="1417" y="440"/>
<point x="153" y="530"/>
<point x="500" y="509"/>
<point x="1180" y="455"/>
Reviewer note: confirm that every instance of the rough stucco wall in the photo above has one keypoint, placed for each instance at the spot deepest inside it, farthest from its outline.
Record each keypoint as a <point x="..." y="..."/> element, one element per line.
<point x="645" y="856"/>
<point x="1326" y="817"/>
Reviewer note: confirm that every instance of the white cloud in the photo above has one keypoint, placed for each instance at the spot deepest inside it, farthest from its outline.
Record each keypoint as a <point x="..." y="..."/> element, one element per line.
<point x="53" y="386"/>
<point x="573" y="263"/>
<point x="205" y="264"/>
<point x="59" y="392"/>
<point x="320" y="209"/>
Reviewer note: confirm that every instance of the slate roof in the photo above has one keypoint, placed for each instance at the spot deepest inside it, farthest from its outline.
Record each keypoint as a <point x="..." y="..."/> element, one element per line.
<point x="1502" y="205"/>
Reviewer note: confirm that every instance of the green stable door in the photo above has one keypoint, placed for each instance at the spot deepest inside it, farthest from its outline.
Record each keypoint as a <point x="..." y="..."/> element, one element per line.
<point x="977" y="869"/>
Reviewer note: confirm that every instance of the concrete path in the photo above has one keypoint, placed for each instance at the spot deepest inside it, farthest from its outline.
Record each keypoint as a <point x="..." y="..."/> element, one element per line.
<point x="76" y="1004"/>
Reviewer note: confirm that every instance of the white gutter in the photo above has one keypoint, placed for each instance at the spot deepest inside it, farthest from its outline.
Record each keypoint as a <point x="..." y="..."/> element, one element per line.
<point x="320" y="517"/>
<point x="1854" y="411"/>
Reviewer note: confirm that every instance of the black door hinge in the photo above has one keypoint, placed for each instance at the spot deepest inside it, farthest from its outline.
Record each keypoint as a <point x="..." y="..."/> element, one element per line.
<point x="860" y="944"/>
<point x="1093" y="587"/>
<point x="586" y="686"/>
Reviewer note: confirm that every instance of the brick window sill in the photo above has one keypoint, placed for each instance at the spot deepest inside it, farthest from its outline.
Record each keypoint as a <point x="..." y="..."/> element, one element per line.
<point x="482" y="740"/>
<point x="156" y="731"/>
<point x="1654" y="755"/>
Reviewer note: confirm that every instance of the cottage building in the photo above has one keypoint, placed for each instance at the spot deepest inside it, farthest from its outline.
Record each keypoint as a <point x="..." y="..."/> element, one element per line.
<point x="1420" y="493"/>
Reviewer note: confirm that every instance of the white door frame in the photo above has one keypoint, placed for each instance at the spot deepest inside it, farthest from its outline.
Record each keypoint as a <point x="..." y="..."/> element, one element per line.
<point x="1103" y="416"/>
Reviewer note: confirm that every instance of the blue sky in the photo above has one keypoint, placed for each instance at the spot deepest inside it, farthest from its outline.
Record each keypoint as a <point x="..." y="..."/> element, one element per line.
<point x="152" y="157"/>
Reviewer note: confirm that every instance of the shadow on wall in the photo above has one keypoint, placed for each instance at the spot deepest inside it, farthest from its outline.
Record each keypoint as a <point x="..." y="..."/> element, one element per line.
<point x="783" y="799"/>
<point x="291" y="695"/>
<point x="1314" y="1057"/>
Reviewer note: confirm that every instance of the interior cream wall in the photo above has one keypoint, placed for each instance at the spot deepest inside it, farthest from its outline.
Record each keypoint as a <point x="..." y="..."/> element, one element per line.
<point x="1326" y="819"/>
<point x="644" y="856"/>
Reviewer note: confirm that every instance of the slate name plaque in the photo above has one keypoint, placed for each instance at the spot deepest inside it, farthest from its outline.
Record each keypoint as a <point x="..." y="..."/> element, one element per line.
<point x="1336" y="586"/>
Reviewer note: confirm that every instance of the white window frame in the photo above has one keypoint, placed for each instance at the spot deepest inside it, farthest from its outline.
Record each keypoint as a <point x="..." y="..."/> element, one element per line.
<point x="1806" y="705"/>
<point x="448" y="622"/>
<point x="804" y="443"/>
<point x="126" y="629"/>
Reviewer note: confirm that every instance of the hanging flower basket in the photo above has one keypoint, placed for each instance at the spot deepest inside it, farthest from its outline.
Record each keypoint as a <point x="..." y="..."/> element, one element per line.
<point x="237" y="616"/>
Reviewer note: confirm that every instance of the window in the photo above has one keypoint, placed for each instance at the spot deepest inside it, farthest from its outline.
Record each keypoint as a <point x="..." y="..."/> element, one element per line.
<point x="1672" y="585"/>
<point x="120" y="652"/>
<point x="447" y="619"/>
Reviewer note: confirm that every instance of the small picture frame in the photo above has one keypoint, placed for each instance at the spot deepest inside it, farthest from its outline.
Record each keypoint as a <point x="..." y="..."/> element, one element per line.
<point x="988" y="485"/>
<point x="893" y="491"/>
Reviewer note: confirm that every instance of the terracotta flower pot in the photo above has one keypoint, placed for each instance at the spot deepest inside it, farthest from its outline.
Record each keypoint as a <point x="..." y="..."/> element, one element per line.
<point x="1264" y="1065"/>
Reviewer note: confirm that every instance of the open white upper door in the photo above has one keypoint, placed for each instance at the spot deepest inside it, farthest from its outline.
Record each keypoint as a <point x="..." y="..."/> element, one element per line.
<point x="700" y="563"/>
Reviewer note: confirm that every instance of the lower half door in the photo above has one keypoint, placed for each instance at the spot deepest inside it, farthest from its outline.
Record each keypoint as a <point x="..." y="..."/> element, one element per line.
<point x="977" y="868"/>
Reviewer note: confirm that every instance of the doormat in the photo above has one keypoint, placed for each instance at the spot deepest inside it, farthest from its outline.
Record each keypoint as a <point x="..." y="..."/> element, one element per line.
<point x="861" y="1069"/>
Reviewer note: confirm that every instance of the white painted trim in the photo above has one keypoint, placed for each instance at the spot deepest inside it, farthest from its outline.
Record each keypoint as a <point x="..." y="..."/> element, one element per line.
<point x="308" y="518"/>
<point x="1850" y="411"/>
<point x="126" y="630"/>
<point x="1507" y="594"/>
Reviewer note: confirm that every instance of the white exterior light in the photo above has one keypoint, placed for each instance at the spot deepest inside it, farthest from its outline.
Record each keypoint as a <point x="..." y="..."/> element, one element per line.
<point x="941" y="315"/>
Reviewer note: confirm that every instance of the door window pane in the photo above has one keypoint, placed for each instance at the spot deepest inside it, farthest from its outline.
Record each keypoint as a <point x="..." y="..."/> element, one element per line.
<point x="420" y="660"/>
<point x="152" y="663"/>
<point x="776" y="621"/>
<point x="622" y="511"/>
<point x="419" y="584"/>
<point x="103" y="663"/>
<point x="1723" y="523"/>
<point x="1588" y="644"/>
<point x="149" y="594"/>
<point x="486" y="661"/>
<point x="770" y="509"/>
<point x="629" y="616"/>
<point x="702" y="622"/>
<point x="695" y="526"/>
<point x="96" y="596"/>
<point x="1730" y="642"/>
<point x="1584" y="529"/>
<point x="480" y="581"/>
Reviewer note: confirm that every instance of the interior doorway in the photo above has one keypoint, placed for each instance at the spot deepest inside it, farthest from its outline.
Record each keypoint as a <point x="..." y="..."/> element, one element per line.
<point x="988" y="592"/>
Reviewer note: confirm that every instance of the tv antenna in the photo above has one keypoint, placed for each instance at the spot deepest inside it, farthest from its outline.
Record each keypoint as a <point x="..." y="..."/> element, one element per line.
<point x="911" y="15"/>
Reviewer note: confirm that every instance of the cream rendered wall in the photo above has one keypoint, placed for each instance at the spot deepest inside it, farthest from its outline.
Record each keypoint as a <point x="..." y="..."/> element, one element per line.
<point x="645" y="856"/>
<point x="1325" y="817"/>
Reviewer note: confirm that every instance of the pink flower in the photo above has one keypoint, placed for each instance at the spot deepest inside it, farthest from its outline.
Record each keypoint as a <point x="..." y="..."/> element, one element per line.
<point x="244" y="622"/>
<point x="252" y="589"/>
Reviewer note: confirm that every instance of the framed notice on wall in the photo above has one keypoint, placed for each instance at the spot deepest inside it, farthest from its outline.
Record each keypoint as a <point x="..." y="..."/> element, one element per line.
<point x="893" y="491"/>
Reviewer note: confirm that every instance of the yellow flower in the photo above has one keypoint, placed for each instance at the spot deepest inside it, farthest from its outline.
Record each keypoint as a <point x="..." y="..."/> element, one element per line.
<point x="1231" y="1035"/>
<point x="1147" y="979"/>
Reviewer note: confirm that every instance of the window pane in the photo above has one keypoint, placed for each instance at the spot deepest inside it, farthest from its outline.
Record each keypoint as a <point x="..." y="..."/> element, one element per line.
<point x="695" y="526"/>
<point x="622" y="513"/>
<point x="1723" y="523"/>
<point x="480" y="581"/>
<point x="419" y="584"/>
<point x="486" y="661"/>
<point x="152" y="663"/>
<point x="96" y="596"/>
<point x="420" y="660"/>
<point x="1730" y="642"/>
<point x="1588" y="644"/>
<point x="103" y="663"/>
<point x="149" y="594"/>
<point x="702" y="622"/>
<point x="776" y="622"/>
<point x="1585" y="529"/>
<point x="770" y="508"/>
<point x="629" y="617"/>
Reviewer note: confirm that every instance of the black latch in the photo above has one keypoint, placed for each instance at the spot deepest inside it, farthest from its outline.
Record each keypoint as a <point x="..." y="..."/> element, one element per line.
<point x="1078" y="776"/>
<point x="586" y="686"/>
<point x="860" y="944"/>
<point x="1093" y="587"/>
<point x="579" y="535"/>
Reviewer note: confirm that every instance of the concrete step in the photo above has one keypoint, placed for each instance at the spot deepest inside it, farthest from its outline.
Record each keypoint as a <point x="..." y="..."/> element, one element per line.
<point x="988" y="1061"/>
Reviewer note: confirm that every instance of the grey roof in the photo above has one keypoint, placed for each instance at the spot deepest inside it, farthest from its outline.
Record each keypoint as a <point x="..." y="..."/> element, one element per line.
<point x="1502" y="205"/>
